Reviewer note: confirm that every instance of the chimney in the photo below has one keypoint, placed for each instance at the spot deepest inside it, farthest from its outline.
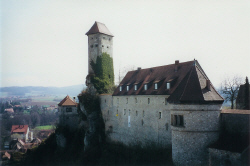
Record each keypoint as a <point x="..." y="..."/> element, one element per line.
<point x="139" y="68"/>
<point x="208" y="85"/>
<point x="176" y="65"/>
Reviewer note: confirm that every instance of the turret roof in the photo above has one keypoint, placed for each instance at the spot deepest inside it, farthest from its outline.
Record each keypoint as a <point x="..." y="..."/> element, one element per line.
<point x="67" y="101"/>
<point x="99" y="28"/>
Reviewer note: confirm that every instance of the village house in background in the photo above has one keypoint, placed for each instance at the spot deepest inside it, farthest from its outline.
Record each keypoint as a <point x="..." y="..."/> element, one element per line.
<point x="243" y="98"/>
<point x="21" y="132"/>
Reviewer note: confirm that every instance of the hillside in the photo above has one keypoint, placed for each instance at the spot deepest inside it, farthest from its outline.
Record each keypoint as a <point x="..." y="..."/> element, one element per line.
<point x="73" y="90"/>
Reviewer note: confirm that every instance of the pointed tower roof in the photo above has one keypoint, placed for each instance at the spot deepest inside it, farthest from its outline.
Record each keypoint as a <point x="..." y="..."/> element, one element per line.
<point x="99" y="28"/>
<point x="67" y="101"/>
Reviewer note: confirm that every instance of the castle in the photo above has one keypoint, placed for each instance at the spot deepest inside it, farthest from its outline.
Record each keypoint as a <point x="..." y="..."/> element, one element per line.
<point x="174" y="106"/>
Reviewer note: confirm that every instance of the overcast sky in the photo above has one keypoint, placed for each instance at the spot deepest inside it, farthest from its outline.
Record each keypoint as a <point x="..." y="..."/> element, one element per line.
<point x="43" y="42"/>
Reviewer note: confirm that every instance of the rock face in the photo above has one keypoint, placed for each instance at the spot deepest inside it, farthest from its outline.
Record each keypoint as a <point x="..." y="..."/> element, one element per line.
<point x="90" y="106"/>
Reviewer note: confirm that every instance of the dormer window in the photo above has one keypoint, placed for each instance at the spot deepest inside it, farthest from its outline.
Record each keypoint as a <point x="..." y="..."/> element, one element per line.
<point x="156" y="86"/>
<point x="168" y="85"/>
<point x="127" y="87"/>
<point x="120" y="88"/>
<point x="145" y="86"/>
<point x="135" y="87"/>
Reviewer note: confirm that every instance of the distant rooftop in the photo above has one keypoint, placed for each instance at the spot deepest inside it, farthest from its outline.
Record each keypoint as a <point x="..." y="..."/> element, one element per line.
<point x="99" y="28"/>
<point x="67" y="101"/>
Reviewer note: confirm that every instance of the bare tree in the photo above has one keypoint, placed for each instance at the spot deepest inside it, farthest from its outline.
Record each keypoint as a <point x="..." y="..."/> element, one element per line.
<point x="123" y="71"/>
<point x="230" y="88"/>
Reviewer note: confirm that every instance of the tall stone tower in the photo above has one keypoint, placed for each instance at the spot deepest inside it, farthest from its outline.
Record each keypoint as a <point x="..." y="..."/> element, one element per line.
<point x="100" y="40"/>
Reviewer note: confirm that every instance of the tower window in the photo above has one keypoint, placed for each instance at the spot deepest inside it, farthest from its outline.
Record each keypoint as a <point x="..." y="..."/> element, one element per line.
<point x="120" y="88"/>
<point x="107" y="46"/>
<point x="135" y="87"/>
<point x="156" y="86"/>
<point x="168" y="85"/>
<point x="127" y="87"/>
<point x="109" y="39"/>
<point x="148" y="100"/>
<point x="68" y="109"/>
<point x="135" y="100"/>
<point x="159" y="115"/>
<point x="102" y="45"/>
<point x="127" y="100"/>
<point x="145" y="87"/>
<point x="143" y="113"/>
<point x="136" y="113"/>
<point x="96" y="45"/>
<point x="124" y="112"/>
<point x="91" y="46"/>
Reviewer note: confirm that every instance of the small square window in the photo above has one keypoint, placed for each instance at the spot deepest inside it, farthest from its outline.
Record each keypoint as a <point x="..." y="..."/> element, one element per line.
<point x="145" y="87"/>
<point x="68" y="109"/>
<point x="135" y="87"/>
<point x="168" y="85"/>
<point x="156" y="86"/>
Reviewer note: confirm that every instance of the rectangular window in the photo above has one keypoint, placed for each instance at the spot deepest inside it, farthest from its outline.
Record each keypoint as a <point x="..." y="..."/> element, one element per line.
<point x="127" y="100"/>
<point x="136" y="113"/>
<point x="124" y="112"/>
<point x="120" y="88"/>
<point x="135" y="100"/>
<point x="68" y="109"/>
<point x="159" y="115"/>
<point x="145" y="87"/>
<point x="166" y="101"/>
<point x="168" y="85"/>
<point x="135" y="87"/>
<point x="156" y="86"/>
<point x="143" y="113"/>
<point x="148" y="100"/>
<point x="127" y="87"/>
<point x="177" y="120"/>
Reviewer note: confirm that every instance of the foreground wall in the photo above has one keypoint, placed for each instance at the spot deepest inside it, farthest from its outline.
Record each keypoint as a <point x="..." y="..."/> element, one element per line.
<point x="137" y="119"/>
<point x="200" y="129"/>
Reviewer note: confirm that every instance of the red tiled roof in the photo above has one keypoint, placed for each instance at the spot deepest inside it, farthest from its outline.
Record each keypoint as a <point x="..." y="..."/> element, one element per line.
<point x="67" y="101"/>
<point x="19" y="129"/>
<point x="188" y="83"/>
<point x="10" y="110"/>
<point x="99" y="28"/>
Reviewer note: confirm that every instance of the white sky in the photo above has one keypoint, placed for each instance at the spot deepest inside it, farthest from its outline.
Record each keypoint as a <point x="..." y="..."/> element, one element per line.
<point x="43" y="42"/>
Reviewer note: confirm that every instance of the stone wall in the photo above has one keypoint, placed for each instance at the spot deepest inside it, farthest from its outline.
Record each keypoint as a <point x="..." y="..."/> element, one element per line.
<point x="137" y="119"/>
<point x="199" y="130"/>
<point x="223" y="158"/>
<point x="235" y="123"/>
<point x="68" y="118"/>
